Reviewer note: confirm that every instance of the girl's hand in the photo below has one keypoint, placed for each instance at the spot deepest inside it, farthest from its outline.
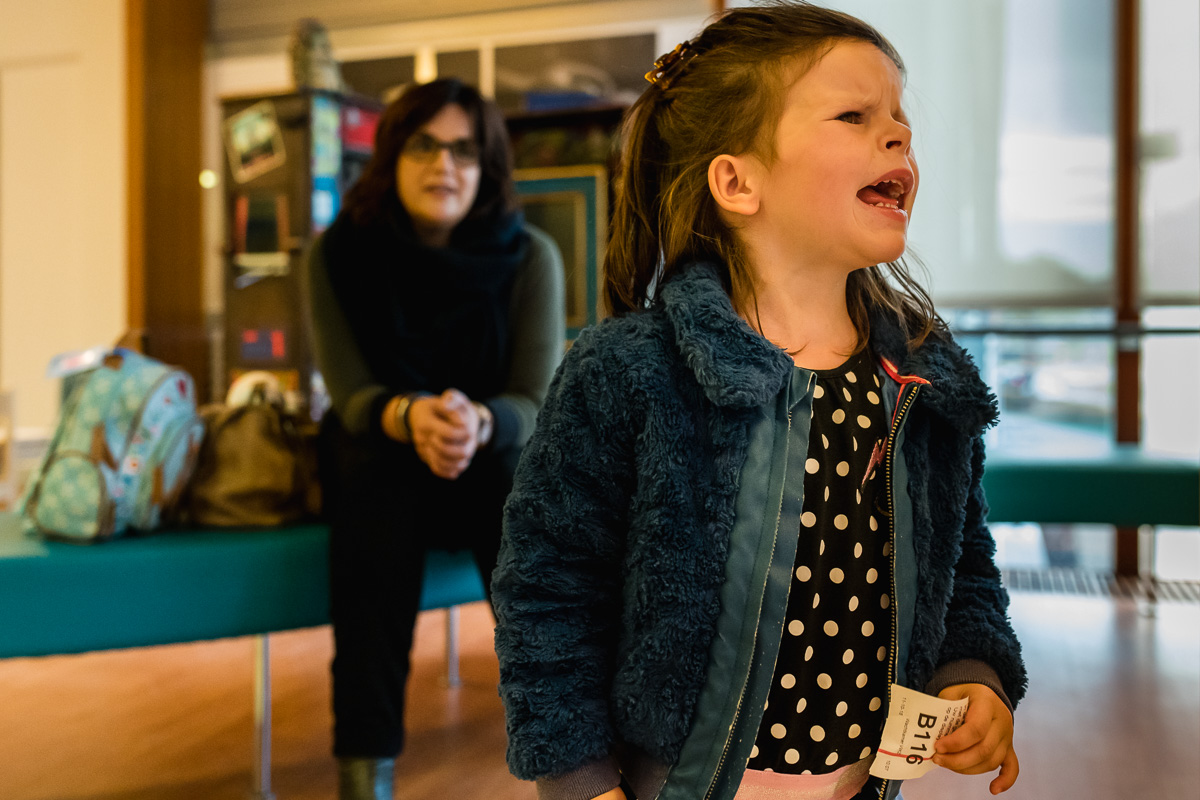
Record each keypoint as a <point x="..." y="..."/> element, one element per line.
<point x="985" y="740"/>
<point x="612" y="794"/>
<point x="444" y="432"/>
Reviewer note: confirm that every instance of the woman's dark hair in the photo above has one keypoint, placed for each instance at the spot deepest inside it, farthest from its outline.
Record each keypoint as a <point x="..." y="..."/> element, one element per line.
<point x="403" y="117"/>
<point x="725" y="95"/>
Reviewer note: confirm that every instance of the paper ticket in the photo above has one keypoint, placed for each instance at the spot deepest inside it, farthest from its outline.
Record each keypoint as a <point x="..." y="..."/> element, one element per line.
<point x="915" y="721"/>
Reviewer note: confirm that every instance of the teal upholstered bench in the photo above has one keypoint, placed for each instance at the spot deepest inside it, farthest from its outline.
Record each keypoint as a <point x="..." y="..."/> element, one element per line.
<point x="184" y="586"/>
<point x="1123" y="485"/>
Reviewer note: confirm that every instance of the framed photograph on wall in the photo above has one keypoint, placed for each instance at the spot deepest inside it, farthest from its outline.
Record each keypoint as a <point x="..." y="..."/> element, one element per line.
<point x="253" y="141"/>
<point x="571" y="204"/>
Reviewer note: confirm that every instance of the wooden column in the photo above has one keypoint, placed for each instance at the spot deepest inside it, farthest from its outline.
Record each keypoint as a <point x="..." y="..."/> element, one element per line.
<point x="165" y="67"/>
<point x="1127" y="226"/>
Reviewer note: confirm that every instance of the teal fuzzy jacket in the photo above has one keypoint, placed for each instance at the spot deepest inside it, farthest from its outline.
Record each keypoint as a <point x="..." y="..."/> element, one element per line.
<point x="616" y="535"/>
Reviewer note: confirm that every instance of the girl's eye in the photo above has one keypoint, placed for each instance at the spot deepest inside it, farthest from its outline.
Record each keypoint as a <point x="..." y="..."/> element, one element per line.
<point x="853" y="117"/>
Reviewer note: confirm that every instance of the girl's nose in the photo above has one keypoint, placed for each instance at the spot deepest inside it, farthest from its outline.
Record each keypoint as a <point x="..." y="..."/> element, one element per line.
<point x="900" y="136"/>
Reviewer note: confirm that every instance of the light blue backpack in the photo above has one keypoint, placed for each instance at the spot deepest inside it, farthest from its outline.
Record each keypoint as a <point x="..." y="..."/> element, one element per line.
<point x="125" y="445"/>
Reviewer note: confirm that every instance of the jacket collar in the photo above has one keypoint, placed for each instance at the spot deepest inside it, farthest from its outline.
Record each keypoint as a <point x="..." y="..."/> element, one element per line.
<point x="738" y="368"/>
<point x="734" y="364"/>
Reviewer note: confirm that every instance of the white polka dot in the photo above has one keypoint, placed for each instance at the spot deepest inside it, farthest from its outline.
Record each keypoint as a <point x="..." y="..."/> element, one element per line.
<point x="800" y="706"/>
<point x="858" y="550"/>
<point x="792" y="755"/>
<point x="854" y="602"/>
<point x="842" y="708"/>
<point x="824" y="681"/>
<point x="825" y="441"/>
<point x="816" y="599"/>
<point x="819" y="392"/>
<point x="778" y="731"/>
<point x="854" y="443"/>
<point x="808" y="519"/>
<point x="817" y="733"/>
<point x="843" y="468"/>
<point x="885" y="601"/>
<point x="887" y="549"/>
<point x="868" y="628"/>
<point x="847" y="656"/>
<point x="854" y="731"/>
<point x="874" y="523"/>
<point x="787" y="681"/>
<point x="836" y="575"/>
<point x="861" y="680"/>
<point x="872" y="575"/>
<point x="808" y="653"/>
<point x="876" y="377"/>
<point x="841" y="522"/>
<point x="839" y="417"/>
<point x="874" y="398"/>
<point x="858" y="496"/>
<point x="866" y="751"/>
<point x="767" y="704"/>
<point x="832" y="759"/>
<point x="821" y="551"/>
<point x="826" y="494"/>
<point x="795" y="627"/>
<point x="850" y="376"/>
<point x="803" y="574"/>
<point x="864" y="421"/>
<point x="831" y="628"/>
<point x="811" y="466"/>
<point x="754" y="752"/>
<point x="875" y="703"/>
<point x="882" y="654"/>
<point x="846" y="394"/>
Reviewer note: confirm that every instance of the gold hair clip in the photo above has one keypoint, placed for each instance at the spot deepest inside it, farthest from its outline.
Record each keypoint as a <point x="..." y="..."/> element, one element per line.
<point x="667" y="68"/>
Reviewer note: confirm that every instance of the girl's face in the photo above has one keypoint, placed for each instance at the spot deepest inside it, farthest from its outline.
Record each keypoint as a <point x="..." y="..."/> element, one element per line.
<point x="844" y="180"/>
<point x="437" y="174"/>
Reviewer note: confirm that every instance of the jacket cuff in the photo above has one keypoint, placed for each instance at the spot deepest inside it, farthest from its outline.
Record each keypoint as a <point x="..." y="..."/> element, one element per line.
<point x="967" y="670"/>
<point x="590" y="780"/>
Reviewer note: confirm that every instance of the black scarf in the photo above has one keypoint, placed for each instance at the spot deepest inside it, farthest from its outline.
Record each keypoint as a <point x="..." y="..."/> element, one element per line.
<point x="423" y="317"/>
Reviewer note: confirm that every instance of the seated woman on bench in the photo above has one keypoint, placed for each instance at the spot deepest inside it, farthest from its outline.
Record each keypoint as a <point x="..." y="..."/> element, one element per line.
<point x="437" y="324"/>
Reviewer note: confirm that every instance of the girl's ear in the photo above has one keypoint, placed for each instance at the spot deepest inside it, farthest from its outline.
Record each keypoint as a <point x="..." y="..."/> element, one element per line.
<point x="734" y="183"/>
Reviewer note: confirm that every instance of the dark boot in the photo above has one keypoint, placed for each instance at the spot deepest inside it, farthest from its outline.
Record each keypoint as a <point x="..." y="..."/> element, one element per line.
<point x="365" y="778"/>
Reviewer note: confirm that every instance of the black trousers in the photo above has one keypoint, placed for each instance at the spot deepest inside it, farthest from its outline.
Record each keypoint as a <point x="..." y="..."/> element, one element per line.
<point x="385" y="509"/>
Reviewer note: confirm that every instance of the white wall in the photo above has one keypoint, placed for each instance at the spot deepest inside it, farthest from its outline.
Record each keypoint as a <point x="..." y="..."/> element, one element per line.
<point x="63" y="214"/>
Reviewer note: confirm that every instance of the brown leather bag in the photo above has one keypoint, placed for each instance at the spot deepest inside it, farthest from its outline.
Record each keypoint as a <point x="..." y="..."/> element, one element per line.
<point x="257" y="467"/>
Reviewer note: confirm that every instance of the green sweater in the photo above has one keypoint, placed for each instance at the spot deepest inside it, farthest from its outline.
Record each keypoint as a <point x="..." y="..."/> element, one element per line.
<point x="538" y="327"/>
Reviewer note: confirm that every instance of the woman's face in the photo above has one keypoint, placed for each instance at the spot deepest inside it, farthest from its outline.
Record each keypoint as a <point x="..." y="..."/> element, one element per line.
<point x="437" y="174"/>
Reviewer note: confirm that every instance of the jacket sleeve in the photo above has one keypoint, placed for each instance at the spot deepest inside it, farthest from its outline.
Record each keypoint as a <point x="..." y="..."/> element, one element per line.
<point x="357" y="397"/>
<point x="980" y="645"/>
<point x="538" y="330"/>
<point x="557" y="586"/>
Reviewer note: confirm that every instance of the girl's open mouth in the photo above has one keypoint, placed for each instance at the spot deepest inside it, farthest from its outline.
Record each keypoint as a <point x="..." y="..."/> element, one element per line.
<point x="890" y="191"/>
<point x="885" y="194"/>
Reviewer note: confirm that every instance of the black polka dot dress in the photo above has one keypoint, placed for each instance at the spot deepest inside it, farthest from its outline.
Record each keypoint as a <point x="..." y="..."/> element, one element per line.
<point x="826" y="709"/>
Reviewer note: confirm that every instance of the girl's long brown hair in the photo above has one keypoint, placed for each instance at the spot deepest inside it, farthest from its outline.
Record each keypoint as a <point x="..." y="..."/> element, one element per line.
<point x="728" y="99"/>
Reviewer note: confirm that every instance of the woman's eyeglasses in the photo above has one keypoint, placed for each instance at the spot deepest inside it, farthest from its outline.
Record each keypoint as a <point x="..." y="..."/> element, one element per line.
<point x="423" y="147"/>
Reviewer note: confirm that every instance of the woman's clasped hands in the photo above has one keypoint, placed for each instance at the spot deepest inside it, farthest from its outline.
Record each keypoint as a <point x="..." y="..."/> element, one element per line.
<point x="445" y="432"/>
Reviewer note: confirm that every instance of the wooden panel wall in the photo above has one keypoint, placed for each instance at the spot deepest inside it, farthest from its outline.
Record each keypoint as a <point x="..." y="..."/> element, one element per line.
<point x="166" y="52"/>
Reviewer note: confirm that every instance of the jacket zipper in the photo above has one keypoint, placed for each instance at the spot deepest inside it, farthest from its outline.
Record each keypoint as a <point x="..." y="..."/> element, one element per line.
<point x="737" y="713"/>
<point x="902" y="406"/>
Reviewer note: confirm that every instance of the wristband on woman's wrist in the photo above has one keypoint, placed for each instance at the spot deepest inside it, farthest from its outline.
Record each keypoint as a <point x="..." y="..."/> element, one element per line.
<point x="396" y="416"/>
<point x="487" y="424"/>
